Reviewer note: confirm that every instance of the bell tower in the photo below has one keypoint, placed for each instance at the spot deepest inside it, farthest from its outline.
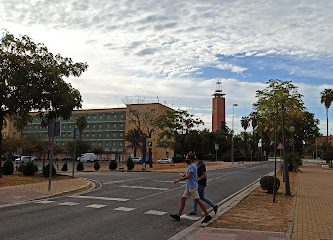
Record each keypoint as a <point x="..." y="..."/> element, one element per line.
<point x="218" y="108"/>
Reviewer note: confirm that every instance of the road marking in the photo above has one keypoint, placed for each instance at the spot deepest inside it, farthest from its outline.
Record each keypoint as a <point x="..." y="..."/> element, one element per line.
<point x="153" y="212"/>
<point x="96" y="206"/>
<point x="44" y="201"/>
<point x="101" y="198"/>
<point x="122" y="181"/>
<point x="163" y="181"/>
<point x="193" y="218"/>
<point x="140" y="187"/>
<point x="159" y="193"/>
<point x="124" y="209"/>
<point x="68" y="204"/>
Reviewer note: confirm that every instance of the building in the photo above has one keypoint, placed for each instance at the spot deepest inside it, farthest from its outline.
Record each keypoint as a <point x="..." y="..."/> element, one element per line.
<point x="107" y="129"/>
<point x="218" y="108"/>
<point x="323" y="139"/>
<point x="9" y="130"/>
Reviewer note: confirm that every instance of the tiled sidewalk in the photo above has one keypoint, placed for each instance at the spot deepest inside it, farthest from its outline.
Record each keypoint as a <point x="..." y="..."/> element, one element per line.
<point x="314" y="204"/>
<point x="27" y="192"/>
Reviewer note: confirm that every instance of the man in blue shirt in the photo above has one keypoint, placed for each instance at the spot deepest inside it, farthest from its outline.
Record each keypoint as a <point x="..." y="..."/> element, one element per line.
<point x="191" y="190"/>
<point x="202" y="183"/>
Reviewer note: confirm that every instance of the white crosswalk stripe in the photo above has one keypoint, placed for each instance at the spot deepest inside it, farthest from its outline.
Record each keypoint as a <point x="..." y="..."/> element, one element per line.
<point x="68" y="204"/>
<point x="44" y="201"/>
<point x="153" y="212"/>
<point x="96" y="206"/>
<point x="101" y="198"/>
<point x="124" y="209"/>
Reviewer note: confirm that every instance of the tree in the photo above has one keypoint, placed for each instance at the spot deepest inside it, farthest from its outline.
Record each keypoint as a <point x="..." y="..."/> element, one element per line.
<point x="135" y="138"/>
<point x="32" y="78"/>
<point x="81" y="123"/>
<point x="326" y="99"/>
<point x="281" y="101"/>
<point x="245" y="122"/>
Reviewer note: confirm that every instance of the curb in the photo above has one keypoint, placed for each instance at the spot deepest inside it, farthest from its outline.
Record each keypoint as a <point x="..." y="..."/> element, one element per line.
<point x="225" y="205"/>
<point x="291" y="220"/>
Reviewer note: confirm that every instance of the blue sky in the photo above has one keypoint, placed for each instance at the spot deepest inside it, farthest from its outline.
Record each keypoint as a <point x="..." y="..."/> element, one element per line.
<point x="175" y="51"/>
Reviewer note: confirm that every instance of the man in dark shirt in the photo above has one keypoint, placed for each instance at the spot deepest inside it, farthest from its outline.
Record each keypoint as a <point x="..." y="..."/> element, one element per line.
<point x="202" y="183"/>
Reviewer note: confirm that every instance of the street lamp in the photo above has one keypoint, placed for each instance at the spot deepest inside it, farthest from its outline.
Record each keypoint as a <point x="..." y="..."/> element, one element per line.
<point x="232" y="130"/>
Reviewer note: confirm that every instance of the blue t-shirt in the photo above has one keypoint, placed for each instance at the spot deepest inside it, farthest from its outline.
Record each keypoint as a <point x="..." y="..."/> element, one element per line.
<point x="193" y="181"/>
<point x="201" y="169"/>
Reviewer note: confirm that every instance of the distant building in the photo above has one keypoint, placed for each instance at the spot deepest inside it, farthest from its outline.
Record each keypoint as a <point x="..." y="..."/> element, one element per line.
<point x="323" y="139"/>
<point x="106" y="129"/>
<point x="218" y="108"/>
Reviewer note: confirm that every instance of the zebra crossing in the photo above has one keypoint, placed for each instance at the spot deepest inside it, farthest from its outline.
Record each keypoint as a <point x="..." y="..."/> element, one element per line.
<point x="123" y="209"/>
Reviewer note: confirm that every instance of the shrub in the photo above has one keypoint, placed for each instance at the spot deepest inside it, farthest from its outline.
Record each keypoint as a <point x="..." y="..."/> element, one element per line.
<point x="113" y="165"/>
<point x="29" y="169"/>
<point x="36" y="168"/>
<point x="267" y="183"/>
<point x="80" y="166"/>
<point x="327" y="155"/>
<point x="64" y="167"/>
<point x="46" y="170"/>
<point x="97" y="166"/>
<point x="8" y="168"/>
<point x="130" y="164"/>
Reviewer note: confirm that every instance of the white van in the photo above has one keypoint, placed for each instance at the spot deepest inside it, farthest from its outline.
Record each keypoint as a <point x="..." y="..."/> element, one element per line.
<point x="87" y="157"/>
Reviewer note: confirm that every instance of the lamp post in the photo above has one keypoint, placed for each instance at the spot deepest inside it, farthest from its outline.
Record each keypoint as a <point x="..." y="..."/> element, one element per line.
<point x="292" y="130"/>
<point x="232" y="130"/>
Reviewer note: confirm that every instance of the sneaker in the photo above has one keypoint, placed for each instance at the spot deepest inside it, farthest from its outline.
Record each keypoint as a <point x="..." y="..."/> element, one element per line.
<point x="192" y="214"/>
<point x="207" y="219"/>
<point x="175" y="216"/>
<point x="215" y="208"/>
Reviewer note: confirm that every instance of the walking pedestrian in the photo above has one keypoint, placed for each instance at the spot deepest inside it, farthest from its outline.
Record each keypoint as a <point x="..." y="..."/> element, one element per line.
<point x="202" y="183"/>
<point x="191" y="189"/>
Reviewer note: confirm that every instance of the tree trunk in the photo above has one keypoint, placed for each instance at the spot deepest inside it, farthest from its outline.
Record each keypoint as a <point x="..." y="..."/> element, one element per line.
<point x="1" y="127"/>
<point x="327" y="125"/>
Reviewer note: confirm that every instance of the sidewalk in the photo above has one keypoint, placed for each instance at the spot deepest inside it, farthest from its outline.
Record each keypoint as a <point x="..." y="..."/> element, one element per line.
<point x="21" y="193"/>
<point x="314" y="204"/>
<point x="313" y="212"/>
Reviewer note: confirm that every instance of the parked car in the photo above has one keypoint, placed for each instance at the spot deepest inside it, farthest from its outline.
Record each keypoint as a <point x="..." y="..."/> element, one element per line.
<point x="67" y="158"/>
<point x="164" y="160"/>
<point x="87" y="157"/>
<point x="24" y="159"/>
<point x="137" y="160"/>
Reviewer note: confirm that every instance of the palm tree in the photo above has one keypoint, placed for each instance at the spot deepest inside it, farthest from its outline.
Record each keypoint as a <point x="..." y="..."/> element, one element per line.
<point x="245" y="122"/>
<point x="81" y="123"/>
<point x="327" y="98"/>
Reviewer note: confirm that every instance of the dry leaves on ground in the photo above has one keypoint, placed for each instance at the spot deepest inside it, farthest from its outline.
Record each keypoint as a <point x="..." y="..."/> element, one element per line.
<point x="20" y="179"/>
<point x="258" y="212"/>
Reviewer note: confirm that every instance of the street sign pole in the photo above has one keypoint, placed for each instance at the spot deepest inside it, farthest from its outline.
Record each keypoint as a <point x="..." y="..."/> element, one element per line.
<point x="75" y="134"/>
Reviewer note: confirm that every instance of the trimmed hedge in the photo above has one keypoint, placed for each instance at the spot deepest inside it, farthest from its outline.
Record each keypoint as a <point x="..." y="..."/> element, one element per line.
<point x="8" y="168"/>
<point x="46" y="170"/>
<point x="113" y="165"/>
<point x="267" y="183"/>
<point x="64" y="167"/>
<point x="97" y="166"/>
<point x="80" y="166"/>
<point x="130" y="164"/>
<point x="29" y="169"/>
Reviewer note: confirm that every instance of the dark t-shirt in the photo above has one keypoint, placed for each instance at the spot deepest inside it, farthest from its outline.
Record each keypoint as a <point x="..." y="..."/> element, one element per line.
<point x="201" y="169"/>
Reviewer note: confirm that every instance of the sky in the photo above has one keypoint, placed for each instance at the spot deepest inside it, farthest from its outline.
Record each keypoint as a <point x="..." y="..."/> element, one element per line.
<point x="174" y="52"/>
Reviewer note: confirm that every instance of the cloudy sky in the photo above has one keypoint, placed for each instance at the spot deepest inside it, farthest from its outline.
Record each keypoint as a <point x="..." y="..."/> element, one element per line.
<point x="174" y="51"/>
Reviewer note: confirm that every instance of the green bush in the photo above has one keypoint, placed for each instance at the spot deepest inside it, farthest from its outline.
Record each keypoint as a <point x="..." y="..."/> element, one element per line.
<point x="8" y="168"/>
<point x="130" y="164"/>
<point x="36" y="168"/>
<point x="29" y="169"/>
<point x="97" y="166"/>
<point x="327" y="155"/>
<point x="46" y="170"/>
<point x="64" y="167"/>
<point x="113" y="165"/>
<point x="80" y="166"/>
<point x="267" y="183"/>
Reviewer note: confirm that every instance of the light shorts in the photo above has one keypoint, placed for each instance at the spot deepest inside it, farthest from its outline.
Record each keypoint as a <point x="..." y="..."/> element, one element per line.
<point x="191" y="192"/>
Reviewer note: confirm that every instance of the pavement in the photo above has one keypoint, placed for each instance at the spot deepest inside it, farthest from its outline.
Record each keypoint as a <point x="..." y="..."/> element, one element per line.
<point x="311" y="219"/>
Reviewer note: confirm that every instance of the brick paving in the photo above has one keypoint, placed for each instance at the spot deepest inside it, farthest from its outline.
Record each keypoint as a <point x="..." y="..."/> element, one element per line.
<point x="314" y="204"/>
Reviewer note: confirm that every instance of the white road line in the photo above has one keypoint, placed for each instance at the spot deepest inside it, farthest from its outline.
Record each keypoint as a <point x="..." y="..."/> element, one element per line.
<point x="153" y="212"/>
<point x="68" y="204"/>
<point x="193" y="218"/>
<point x="159" y="193"/>
<point x="44" y="201"/>
<point x="124" y="209"/>
<point x="122" y="181"/>
<point x="163" y="181"/>
<point x="101" y="198"/>
<point x="96" y="206"/>
<point x="140" y="187"/>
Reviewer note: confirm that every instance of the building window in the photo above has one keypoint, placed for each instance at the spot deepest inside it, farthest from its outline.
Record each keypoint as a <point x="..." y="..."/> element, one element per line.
<point x="115" y="116"/>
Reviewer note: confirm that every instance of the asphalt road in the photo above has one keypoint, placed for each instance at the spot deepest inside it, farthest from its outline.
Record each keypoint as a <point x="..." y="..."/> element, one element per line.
<point x="125" y="205"/>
